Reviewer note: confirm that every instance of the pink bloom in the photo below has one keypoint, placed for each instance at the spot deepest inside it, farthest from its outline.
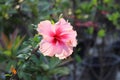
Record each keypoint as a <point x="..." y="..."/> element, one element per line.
<point x="78" y="23"/>
<point x="58" y="39"/>
<point x="89" y="24"/>
<point x="86" y="24"/>
<point x="104" y="12"/>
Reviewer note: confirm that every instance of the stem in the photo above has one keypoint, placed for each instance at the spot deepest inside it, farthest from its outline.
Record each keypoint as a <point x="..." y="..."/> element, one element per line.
<point x="34" y="52"/>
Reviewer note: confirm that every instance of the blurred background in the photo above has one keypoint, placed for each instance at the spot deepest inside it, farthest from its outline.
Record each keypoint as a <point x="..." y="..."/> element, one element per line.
<point x="97" y="23"/>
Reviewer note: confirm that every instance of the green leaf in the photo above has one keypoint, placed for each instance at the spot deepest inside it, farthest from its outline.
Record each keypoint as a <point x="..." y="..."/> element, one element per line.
<point x="34" y="26"/>
<point x="18" y="42"/>
<point x="23" y="56"/>
<point x="2" y="58"/>
<point x="78" y="11"/>
<point x="101" y="33"/>
<point x="52" y="21"/>
<point x="8" y="75"/>
<point x="11" y="63"/>
<point x="114" y="16"/>
<point x="54" y="62"/>
<point x="39" y="77"/>
<point x="44" y="66"/>
<point x="61" y="16"/>
<point x="25" y="76"/>
<point x="24" y="50"/>
<point x="35" y="60"/>
<point x="37" y="38"/>
<point x="7" y="52"/>
<point x="78" y="59"/>
<point x="108" y="1"/>
<point x="60" y="71"/>
<point x="94" y="2"/>
<point x="90" y="30"/>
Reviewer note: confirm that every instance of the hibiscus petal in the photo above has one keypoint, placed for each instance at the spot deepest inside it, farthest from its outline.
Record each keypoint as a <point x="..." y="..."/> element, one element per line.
<point x="72" y="38"/>
<point x="46" y="30"/>
<point x="69" y="37"/>
<point x="63" y="25"/>
<point x="44" y="27"/>
<point x="57" y="49"/>
<point x="65" y="52"/>
<point x="46" y="48"/>
<point x="62" y="21"/>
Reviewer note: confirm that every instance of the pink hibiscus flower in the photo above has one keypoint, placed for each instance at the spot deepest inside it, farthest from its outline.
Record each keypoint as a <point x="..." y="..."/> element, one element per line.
<point x="58" y="39"/>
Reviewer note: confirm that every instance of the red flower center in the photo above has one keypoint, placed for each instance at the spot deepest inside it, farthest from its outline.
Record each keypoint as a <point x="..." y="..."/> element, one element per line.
<point x="57" y="39"/>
